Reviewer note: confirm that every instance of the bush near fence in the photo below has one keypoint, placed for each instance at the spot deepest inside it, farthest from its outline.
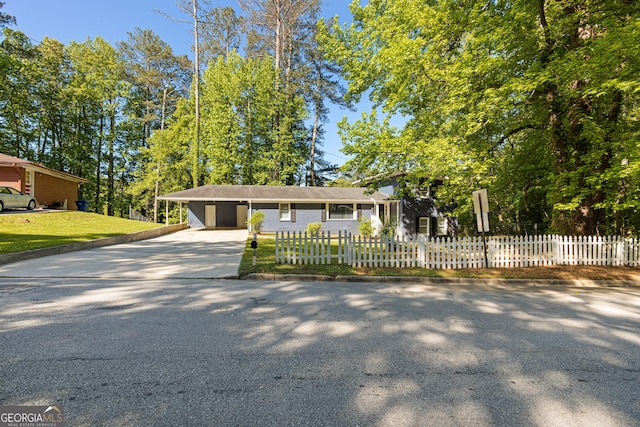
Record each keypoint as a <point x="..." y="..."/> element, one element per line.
<point x="455" y="252"/>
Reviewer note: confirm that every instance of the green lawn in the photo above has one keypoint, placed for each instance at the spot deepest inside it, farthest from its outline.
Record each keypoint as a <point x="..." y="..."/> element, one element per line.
<point x="21" y="232"/>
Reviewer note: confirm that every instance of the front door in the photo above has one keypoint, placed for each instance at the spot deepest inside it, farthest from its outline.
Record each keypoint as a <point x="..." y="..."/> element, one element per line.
<point x="241" y="215"/>
<point x="210" y="216"/>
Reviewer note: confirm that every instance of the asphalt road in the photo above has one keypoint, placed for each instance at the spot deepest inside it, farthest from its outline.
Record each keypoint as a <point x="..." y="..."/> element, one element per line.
<point x="195" y="352"/>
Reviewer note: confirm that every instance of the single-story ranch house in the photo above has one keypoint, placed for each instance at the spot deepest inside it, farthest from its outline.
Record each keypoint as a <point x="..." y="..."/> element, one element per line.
<point x="50" y="187"/>
<point x="289" y="208"/>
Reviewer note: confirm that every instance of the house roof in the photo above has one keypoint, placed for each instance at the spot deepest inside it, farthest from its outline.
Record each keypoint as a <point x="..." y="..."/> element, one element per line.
<point x="10" y="161"/>
<point x="273" y="194"/>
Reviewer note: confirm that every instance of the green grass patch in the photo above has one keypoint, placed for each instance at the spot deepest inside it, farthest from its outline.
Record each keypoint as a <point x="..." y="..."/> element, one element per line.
<point x="23" y="232"/>
<point x="266" y="261"/>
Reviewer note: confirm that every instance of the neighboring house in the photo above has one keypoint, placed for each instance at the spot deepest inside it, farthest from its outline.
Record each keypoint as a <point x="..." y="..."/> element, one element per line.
<point x="288" y="208"/>
<point x="50" y="187"/>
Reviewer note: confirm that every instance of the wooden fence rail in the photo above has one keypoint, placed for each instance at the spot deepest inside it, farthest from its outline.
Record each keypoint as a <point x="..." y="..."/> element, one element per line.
<point x="457" y="252"/>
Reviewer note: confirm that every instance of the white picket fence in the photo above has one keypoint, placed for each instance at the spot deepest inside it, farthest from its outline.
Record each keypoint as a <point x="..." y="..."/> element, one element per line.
<point x="457" y="252"/>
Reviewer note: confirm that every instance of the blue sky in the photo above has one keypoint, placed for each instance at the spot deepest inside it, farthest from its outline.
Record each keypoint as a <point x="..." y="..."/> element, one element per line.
<point x="76" y="20"/>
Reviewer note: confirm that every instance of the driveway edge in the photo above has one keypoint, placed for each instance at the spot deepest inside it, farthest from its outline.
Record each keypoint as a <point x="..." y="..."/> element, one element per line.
<point x="90" y="244"/>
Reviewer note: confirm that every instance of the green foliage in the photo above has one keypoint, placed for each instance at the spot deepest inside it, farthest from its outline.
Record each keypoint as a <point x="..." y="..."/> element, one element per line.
<point x="537" y="104"/>
<point x="313" y="228"/>
<point x="123" y="117"/>
<point x="5" y="18"/>
<point x="365" y="228"/>
<point x="248" y="125"/>
<point x="389" y="226"/>
<point x="256" y="220"/>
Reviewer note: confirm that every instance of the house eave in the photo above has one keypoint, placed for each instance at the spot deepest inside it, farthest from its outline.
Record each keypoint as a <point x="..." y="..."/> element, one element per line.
<point x="270" y="200"/>
<point x="14" y="162"/>
<point x="55" y="173"/>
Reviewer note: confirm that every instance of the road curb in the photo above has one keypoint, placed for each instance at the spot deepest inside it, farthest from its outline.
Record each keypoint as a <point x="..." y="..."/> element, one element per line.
<point x="580" y="283"/>
<point x="90" y="244"/>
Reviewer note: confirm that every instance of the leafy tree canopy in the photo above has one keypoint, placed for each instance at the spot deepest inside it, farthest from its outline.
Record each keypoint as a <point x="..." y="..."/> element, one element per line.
<point x="537" y="101"/>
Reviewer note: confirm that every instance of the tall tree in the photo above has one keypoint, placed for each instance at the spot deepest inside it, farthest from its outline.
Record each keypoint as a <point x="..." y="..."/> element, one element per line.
<point x="321" y="87"/>
<point x="5" y="18"/>
<point x="489" y="88"/>
<point x="279" y="29"/>
<point x="52" y="75"/>
<point x="274" y="26"/>
<point x="195" y="9"/>
<point x="160" y="79"/>
<point x="168" y="147"/>
<point x="157" y="74"/>
<point x="221" y="33"/>
<point x="240" y="102"/>
<point x="100" y="78"/>
<point x="18" y="111"/>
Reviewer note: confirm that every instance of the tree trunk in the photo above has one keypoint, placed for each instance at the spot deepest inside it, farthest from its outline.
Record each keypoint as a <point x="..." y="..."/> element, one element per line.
<point x="314" y="137"/>
<point x="110" y="168"/>
<point x="196" y="137"/>
<point x="155" y="201"/>
<point x="99" y="161"/>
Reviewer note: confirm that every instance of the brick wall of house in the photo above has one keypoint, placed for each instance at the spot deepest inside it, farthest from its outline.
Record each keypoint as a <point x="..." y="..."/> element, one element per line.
<point x="50" y="191"/>
<point x="12" y="177"/>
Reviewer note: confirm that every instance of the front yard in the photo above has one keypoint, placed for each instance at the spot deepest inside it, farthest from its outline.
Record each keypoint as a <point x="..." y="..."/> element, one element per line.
<point x="22" y="232"/>
<point x="266" y="263"/>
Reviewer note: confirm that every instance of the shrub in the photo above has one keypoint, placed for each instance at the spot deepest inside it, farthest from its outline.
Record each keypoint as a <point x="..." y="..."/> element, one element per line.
<point x="313" y="228"/>
<point x="389" y="228"/>
<point x="365" y="228"/>
<point x="256" y="221"/>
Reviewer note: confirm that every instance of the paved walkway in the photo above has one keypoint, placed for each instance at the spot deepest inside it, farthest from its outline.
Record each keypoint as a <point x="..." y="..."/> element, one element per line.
<point x="191" y="253"/>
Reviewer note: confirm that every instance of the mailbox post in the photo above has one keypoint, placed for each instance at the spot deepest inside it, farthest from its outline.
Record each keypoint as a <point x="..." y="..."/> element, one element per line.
<point x="254" y="246"/>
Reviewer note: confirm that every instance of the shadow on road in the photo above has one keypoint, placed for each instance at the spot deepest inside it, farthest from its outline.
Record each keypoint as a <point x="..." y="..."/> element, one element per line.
<point x="155" y="352"/>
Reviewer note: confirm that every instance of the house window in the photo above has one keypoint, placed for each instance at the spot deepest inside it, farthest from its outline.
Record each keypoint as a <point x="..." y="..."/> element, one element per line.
<point x="424" y="223"/>
<point x="341" y="211"/>
<point x="443" y="226"/>
<point x="424" y="193"/>
<point x="285" y="212"/>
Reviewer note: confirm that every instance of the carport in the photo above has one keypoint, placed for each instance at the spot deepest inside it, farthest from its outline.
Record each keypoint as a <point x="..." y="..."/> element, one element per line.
<point x="205" y="211"/>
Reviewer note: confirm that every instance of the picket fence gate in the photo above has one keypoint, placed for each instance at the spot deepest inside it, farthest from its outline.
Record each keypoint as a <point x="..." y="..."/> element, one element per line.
<point x="455" y="252"/>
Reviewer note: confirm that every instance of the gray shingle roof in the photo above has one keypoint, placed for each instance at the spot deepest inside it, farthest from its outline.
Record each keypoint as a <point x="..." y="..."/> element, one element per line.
<point x="264" y="193"/>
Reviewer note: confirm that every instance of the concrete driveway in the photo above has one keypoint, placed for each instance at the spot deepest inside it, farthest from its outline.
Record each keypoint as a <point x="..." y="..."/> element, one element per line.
<point x="190" y="253"/>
